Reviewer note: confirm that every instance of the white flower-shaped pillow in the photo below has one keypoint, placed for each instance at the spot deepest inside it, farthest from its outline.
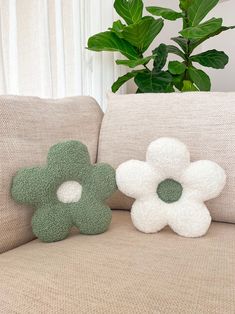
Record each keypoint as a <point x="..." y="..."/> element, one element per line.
<point x="169" y="190"/>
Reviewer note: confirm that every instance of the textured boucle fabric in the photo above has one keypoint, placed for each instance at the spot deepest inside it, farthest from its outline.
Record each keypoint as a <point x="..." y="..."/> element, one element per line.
<point x="205" y="122"/>
<point x="67" y="162"/>
<point x="122" y="271"/>
<point x="29" y="126"/>
<point x="169" y="190"/>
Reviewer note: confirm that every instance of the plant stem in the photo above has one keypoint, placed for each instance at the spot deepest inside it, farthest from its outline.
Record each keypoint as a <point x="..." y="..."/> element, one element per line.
<point x="187" y="54"/>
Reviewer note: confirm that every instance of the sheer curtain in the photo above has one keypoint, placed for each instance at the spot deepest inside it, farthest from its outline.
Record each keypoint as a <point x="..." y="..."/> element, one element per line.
<point x="42" y="48"/>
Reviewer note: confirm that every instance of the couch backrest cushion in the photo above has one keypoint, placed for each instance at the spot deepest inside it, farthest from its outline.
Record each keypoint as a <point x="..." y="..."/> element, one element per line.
<point x="28" y="127"/>
<point x="203" y="121"/>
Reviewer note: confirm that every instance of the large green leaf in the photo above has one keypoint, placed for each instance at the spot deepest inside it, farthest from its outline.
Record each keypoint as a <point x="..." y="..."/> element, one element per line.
<point x="142" y="33"/>
<point x="178" y="81"/>
<point x="211" y="58"/>
<point x="202" y="30"/>
<point x="166" y="13"/>
<point x="160" y="58"/>
<point x="198" y="9"/>
<point x="184" y="4"/>
<point x="200" y="78"/>
<point x="109" y="41"/>
<point x="134" y="63"/>
<point x="181" y="41"/>
<point x="150" y="82"/>
<point x="176" y="67"/>
<point x="196" y="42"/>
<point x="130" y="10"/>
<point x="122" y="80"/>
<point x="117" y="28"/>
<point x="173" y="49"/>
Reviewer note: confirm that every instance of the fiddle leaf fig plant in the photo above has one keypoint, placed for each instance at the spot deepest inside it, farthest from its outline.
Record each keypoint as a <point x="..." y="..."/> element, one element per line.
<point x="131" y="37"/>
<point x="133" y="34"/>
<point x="195" y="31"/>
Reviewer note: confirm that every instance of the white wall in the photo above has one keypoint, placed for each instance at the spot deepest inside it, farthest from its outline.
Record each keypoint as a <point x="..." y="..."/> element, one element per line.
<point x="222" y="80"/>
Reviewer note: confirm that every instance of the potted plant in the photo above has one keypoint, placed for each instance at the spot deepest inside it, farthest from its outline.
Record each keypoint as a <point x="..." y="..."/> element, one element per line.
<point x="133" y="35"/>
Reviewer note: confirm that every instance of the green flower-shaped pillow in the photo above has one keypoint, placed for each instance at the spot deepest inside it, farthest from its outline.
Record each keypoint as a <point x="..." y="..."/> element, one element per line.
<point x="68" y="191"/>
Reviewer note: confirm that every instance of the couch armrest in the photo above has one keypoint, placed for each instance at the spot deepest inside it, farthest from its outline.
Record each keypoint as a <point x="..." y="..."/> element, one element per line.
<point x="28" y="127"/>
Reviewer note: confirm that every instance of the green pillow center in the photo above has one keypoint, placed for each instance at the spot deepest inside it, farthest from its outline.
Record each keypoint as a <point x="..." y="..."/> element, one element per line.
<point x="169" y="191"/>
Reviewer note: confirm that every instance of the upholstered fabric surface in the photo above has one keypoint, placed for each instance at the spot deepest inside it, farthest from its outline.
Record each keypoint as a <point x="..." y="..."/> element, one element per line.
<point x="205" y="122"/>
<point x="122" y="271"/>
<point x="68" y="191"/>
<point x="28" y="127"/>
<point x="169" y="190"/>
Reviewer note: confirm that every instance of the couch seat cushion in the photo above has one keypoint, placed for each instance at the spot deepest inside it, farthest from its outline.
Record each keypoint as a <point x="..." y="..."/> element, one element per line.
<point x="122" y="271"/>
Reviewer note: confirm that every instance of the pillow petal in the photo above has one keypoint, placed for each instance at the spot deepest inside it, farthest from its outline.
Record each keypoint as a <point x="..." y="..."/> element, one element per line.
<point x="189" y="218"/>
<point x="206" y="177"/>
<point x="69" y="160"/>
<point x="91" y="216"/>
<point x="101" y="181"/>
<point x="149" y="215"/>
<point x="51" y="223"/>
<point x="169" y="155"/>
<point x="137" y="178"/>
<point x="31" y="186"/>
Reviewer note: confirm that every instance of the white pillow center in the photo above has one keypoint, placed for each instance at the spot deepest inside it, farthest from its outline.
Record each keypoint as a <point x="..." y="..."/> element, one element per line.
<point x="69" y="192"/>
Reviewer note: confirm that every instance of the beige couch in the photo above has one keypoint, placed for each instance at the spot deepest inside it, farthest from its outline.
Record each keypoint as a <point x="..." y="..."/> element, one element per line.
<point x="122" y="270"/>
